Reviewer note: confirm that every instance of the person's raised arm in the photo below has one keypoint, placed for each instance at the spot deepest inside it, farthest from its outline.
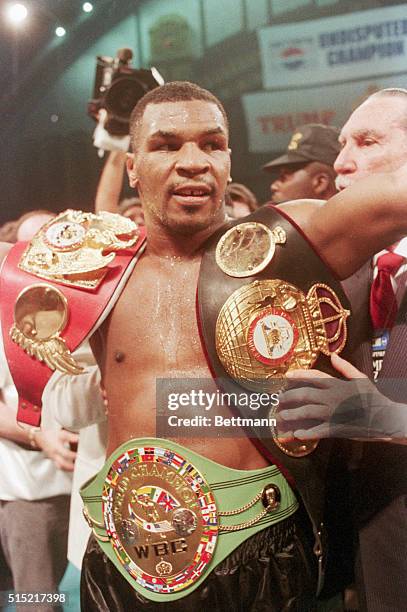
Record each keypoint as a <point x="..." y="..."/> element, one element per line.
<point x="357" y="222"/>
<point x="110" y="183"/>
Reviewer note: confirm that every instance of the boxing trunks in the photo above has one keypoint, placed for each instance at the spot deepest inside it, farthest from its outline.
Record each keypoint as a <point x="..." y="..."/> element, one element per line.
<point x="273" y="570"/>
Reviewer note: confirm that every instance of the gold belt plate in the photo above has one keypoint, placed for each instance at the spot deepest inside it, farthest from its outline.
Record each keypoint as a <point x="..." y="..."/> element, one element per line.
<point x="269" y="327"/>
<point x="161" y="518"/>
<point x="76" y="247"/>
<point x="40" y="314"/>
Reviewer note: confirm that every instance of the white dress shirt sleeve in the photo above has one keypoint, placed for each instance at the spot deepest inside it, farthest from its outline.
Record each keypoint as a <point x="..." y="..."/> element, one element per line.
<point x="75" y="401"/>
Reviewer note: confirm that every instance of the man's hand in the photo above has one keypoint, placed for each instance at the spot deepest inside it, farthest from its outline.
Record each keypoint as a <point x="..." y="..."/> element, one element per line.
<point x="104" y="141"/>
<point x="56" y="445"/>
<point x="327" y="407"/>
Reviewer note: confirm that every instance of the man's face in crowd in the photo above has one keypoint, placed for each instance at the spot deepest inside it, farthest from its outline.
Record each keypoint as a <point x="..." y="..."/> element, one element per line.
<point x="240" y="209"/>
<point x="294" y="181"/>
<point x="135" y="213"/>
<point x="374" y="139"/>
<point x="181" y="165"/>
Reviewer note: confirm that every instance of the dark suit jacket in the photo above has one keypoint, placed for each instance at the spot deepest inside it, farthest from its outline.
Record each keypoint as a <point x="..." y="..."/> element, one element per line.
<point x="383" y="467"/>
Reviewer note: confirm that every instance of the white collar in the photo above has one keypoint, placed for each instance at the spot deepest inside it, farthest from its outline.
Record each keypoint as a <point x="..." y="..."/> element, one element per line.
<point x="401" y="248"/>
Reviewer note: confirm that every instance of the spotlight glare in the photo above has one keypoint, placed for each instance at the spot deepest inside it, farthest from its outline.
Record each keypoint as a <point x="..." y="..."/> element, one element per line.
<point x="16" y="13"/>
<point x="60" y="31"/>
<point x="87" y="7"/>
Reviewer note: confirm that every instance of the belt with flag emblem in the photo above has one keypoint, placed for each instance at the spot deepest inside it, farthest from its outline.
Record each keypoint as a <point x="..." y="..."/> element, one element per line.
<point x="167" y="516"/>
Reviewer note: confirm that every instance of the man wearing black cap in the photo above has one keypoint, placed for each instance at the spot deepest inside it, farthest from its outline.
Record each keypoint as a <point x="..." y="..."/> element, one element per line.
<point x="306" y="170"/>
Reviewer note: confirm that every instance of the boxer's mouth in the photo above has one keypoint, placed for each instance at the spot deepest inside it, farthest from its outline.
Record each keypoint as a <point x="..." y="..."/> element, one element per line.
<point x="192" y="193"/>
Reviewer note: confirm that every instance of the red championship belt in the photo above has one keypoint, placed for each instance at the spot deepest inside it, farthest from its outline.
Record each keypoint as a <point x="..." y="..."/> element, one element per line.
<point x="81" y="310"/>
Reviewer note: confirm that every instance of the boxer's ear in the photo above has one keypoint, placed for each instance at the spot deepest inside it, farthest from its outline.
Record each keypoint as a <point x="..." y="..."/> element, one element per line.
<point x="131" y="170"/>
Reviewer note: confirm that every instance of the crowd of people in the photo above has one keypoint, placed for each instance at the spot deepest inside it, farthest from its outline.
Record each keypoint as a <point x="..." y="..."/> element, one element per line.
<point x="256" y="522"/>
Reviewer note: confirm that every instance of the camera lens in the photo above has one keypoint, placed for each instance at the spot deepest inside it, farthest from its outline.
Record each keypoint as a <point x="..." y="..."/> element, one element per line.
<point x="123" y="95"/>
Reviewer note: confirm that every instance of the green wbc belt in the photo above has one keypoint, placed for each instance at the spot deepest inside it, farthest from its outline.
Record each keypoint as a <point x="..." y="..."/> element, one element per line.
<point x="166" y="516"/>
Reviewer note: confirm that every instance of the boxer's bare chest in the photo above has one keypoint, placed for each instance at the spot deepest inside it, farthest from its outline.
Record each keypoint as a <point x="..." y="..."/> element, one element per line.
<point x="153" y="326"/>
<point x="153" y="334"/>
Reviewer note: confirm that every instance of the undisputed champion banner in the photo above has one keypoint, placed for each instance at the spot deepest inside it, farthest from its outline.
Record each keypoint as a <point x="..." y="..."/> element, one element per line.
<point x="338" y="48"/>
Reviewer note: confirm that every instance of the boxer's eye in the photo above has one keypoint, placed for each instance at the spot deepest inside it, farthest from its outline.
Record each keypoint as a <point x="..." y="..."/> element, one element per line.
<point x="167" y="146"/>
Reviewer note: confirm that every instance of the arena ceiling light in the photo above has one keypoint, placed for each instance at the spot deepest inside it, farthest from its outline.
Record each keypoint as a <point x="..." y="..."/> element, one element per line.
<point x="16" y="13"/>
<point x="60" y="31"/>
<point x="87" y="7"/>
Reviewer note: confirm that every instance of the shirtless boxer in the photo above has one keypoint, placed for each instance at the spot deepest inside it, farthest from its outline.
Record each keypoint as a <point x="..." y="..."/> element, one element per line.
<point x="180" y="167"/>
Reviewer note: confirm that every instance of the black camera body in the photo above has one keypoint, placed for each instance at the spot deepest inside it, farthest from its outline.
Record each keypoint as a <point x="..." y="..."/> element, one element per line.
<point x="117" y="89"/>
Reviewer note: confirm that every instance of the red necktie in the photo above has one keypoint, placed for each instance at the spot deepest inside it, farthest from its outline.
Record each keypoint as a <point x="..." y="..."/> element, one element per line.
<point x="383" y="303"/>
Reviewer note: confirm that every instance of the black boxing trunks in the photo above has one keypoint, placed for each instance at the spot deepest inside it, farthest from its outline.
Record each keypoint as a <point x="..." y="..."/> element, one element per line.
<point x="274" y="570"/>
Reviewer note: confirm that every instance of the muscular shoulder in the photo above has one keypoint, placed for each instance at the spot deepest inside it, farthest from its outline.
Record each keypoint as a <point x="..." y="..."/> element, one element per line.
<point x="302" y="210"/>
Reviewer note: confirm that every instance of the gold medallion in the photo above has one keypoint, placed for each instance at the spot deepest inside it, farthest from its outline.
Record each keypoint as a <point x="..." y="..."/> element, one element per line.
<point x="40" y="314"/>
<point x="64" y="236"/>
<point x="76" y="247"/>
<point x="246" y="249"/>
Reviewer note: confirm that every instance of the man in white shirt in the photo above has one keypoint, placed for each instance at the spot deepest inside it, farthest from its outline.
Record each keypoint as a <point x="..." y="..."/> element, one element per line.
<point x="375" y="139"/>
<point x="34" y="498"/>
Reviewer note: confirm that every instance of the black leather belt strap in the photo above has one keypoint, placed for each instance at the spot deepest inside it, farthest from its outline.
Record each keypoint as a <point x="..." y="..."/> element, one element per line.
<point x="297" y="262"/>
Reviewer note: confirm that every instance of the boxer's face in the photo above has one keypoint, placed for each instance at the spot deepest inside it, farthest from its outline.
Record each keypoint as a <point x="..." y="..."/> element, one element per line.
<point x="373" y="140"/>
<point x="181" y="165"/>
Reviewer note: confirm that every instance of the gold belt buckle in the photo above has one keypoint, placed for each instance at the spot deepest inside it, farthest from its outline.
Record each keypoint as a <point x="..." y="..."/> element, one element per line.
<point x="40" y="315"/>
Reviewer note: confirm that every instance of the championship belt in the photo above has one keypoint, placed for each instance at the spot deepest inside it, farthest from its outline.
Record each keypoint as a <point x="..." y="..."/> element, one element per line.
<point x="54" y="290"/>
<point x="166" y="516"/>
<point x="275" y="321"/>
<point x="268" y="304"/>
